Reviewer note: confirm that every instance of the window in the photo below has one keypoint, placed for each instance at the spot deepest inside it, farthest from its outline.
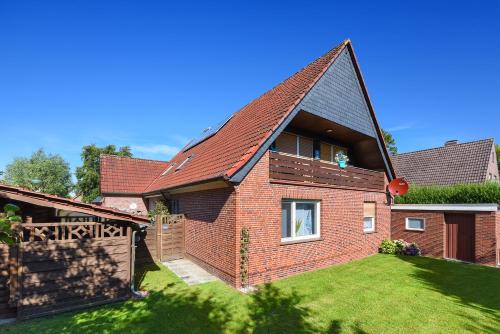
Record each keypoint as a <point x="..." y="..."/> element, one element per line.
<point x="167" y="170"/>
<point x="415" y="224"/>
<point x="174" y="206"/>
<point x="369" y="215"/>
<point x="299" y="220"/>
<point x="183" y="163"/>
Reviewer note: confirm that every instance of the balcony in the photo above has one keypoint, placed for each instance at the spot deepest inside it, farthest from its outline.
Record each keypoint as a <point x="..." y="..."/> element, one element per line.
<point x="309" y="171"/>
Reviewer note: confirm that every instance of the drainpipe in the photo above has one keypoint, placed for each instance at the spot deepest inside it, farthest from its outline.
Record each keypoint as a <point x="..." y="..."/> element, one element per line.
<point x="135" y="294"/>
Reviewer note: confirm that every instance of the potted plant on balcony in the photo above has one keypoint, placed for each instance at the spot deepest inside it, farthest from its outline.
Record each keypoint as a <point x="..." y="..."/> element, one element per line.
<point x="342" y="159"/>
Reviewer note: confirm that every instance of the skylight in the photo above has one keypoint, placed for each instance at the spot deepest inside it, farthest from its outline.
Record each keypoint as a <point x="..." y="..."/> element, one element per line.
<point x="183" y="163"/>
<point x="167" y="170"/>
<point x="207" y="133"/>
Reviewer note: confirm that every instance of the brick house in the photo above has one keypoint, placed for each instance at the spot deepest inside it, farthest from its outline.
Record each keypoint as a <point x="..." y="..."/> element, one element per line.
<point x="271" y="167"/>
<point x="453" y="163"/>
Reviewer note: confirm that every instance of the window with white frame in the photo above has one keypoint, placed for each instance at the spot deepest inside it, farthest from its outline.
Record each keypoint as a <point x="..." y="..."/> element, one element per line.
<point x="369" y="209"/>
<point x="300" y="220"/>
<point x="415" y="224"/>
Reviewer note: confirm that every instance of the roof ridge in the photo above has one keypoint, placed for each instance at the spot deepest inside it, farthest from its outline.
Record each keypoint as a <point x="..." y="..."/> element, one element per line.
<point x="246" y="156"/>
<point x="132" y="158"/>
<point x="442" y="147"/>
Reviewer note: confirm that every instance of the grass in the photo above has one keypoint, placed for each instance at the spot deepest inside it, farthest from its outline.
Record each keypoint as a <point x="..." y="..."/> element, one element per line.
<point x="379" y="294"/>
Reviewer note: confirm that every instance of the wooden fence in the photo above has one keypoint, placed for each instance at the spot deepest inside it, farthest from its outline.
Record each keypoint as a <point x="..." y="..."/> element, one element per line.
<point x="304" y="170"/>
<point x="162" y="242"/>
<point x="6" y="311"/>
<point x="64" y="266"/>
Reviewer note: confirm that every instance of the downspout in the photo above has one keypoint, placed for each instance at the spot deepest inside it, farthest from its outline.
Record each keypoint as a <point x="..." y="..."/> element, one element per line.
<point x="135" y="294"/>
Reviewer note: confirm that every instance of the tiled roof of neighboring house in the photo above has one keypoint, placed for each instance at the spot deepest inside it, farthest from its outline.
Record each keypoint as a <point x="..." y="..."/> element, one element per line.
<point x="226" y="151"/>
<point x="128" y="175"/>
<point x="47" y="200"/>
<point x="450" y="164"/>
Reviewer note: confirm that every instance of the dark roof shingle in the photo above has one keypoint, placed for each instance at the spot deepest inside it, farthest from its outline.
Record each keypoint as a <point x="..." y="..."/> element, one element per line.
<point x="446" y="165"/>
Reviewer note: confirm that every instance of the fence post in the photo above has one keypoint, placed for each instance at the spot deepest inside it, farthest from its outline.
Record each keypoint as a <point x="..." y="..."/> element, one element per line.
<point x="159" y="231"/>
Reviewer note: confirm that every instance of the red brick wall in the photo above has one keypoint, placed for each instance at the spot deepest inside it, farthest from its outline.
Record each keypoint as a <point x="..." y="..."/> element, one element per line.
<point x="258" y="206"/>
<point x="123" y="203"/>
<point x="431" y="241"/>
<point x="210" y="234"/>
<point x="486" y="239"/>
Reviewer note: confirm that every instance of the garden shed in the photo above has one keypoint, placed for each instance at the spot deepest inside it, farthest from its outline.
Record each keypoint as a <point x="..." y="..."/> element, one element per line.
<point x="69" y="255"/>
<point x="465" y="232"/>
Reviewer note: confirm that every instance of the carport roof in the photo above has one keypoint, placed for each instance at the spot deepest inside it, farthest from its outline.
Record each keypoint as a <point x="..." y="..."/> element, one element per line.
<point x="52" y="201"/>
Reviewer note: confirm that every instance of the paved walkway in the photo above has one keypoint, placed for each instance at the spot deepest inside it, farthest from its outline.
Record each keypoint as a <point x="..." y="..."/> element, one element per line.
<point x="189" y="272"/>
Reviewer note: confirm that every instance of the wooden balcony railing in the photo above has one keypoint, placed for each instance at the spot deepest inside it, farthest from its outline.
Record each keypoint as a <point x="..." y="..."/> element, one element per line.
<point x="305" y="170"/>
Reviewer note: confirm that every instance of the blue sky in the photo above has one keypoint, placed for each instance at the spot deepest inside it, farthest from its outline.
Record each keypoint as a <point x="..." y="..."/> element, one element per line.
<point x="152" y="75"/>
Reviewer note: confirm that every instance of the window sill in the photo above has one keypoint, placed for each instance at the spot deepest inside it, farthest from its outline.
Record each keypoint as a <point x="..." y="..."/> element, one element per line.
<point x="292" y="242"/>
<point x="412" y="230"/>
<point x="369" y="232"/>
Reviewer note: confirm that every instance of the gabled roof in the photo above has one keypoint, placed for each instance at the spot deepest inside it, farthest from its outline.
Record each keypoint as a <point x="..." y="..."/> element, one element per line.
<point x="122" y="175"/>
<point x="52" y="201"/>
<point x="450" y="164"/>
<point x="223" y="154"/>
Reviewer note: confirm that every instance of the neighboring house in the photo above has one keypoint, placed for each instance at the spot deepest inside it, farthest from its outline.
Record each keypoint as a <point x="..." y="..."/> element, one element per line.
<point x="453" y="163"/>
<point x="271" y="168"/>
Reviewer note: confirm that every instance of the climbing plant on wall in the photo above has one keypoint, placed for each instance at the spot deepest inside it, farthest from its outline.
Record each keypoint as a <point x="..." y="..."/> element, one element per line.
<point x="244" y="242"/>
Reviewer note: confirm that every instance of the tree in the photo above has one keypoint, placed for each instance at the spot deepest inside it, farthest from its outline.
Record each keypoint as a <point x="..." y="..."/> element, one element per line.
<point x="87" y="176"/>
<point x="40" y="172"/>
<point x="497" y="149"/>
<point x="390" y="143"/>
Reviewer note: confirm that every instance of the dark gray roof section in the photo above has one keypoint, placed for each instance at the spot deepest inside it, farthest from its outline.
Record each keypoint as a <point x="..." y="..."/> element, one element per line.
<point x="450" y="164"/>
<point x="330" y="98"/>
<point x="337" y="96"/>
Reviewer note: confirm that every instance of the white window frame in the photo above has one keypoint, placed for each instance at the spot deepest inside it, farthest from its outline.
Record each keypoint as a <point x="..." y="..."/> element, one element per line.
<point x="407" y="227"/>
<point x="372" y="229"/>
<point x="317" y="213"/>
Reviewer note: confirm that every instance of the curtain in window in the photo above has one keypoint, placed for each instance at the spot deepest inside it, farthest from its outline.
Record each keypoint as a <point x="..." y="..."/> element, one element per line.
<point x="304" y="219"/>
<point x="286" y="220"/>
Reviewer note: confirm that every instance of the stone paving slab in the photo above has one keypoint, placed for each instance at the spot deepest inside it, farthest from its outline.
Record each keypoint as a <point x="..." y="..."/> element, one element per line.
<point x="189" y="272"/>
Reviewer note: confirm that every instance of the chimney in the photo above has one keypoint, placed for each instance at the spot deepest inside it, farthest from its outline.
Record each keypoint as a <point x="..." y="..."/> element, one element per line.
<point x="451" y="142"/>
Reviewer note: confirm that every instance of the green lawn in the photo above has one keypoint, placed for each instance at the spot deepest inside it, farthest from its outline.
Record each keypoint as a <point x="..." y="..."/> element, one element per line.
<point x="380" y="294"/>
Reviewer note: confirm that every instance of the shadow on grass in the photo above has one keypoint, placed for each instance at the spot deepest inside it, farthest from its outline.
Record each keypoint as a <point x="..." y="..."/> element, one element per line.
<point x="141" y="270"/>
<point x="272" y="310"/>
<point x="472" y="285"/>
<point x="176" y="309"/>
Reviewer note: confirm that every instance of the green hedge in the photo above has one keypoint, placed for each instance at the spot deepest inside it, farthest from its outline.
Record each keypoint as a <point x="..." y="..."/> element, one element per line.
<point x="456" y="194"/>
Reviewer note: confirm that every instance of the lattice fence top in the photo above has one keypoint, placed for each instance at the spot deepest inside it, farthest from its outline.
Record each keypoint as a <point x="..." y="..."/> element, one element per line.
<point x="70" y="231"/>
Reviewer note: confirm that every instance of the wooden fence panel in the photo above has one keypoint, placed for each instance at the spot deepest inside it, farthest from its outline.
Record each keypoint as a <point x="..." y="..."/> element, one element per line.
<point x="72" y="265"/>
<point x="6" y="311"/>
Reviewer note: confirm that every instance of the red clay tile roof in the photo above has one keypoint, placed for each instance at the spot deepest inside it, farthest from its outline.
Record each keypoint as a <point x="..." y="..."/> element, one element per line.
<point x="224" y="153"/>
<point x="128" y="175"/>
<point x="47" y="200"/>
<point x="446" y="165"/>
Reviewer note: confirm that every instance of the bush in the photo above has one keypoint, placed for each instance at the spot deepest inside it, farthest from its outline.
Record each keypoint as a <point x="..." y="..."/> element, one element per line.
<point x="387" y="247"/>
<point x="457" y="194"/>
<point x="399" y="247"/>
<point x="412" y="250"/>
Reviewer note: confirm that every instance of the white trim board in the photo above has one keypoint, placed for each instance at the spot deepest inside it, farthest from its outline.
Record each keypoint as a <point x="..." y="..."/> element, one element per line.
<point x="489" y="207"/>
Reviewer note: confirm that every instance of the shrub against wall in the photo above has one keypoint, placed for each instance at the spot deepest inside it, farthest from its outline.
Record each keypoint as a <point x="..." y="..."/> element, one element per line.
<point x="457" y="194"/>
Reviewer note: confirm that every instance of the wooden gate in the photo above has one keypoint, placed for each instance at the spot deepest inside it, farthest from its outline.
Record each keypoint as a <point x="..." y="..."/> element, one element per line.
<point x="65" y="266"/>
<point x="460" y="236"/>
<point x="170" y="235"/>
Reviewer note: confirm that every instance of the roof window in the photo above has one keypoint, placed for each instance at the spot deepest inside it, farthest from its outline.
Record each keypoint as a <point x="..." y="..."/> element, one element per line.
<point x="183" y="163"/>
<point x="167" y="170"/>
